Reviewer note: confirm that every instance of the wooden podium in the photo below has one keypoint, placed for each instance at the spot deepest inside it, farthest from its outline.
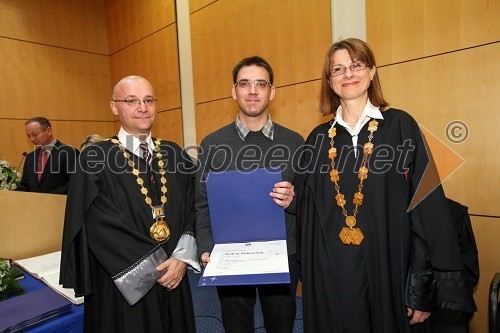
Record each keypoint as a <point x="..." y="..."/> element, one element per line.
<point x="31" y="224"/>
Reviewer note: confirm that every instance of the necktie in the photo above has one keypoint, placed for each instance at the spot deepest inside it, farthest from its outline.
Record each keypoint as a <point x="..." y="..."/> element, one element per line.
<point x="42" y="160"/>
<point x="146" y="155"/>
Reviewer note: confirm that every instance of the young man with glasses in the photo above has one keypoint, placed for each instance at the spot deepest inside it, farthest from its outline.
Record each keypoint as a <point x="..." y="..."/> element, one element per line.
<point x="252" y="134"/>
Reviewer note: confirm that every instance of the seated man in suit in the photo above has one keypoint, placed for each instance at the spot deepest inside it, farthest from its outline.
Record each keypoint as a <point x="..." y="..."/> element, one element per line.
<point x="48" y="168"/>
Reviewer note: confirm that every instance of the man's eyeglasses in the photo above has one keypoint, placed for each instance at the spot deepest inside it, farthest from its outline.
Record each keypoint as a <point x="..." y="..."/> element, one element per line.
<point x="259" y="84"/>
<point x="355" y="67"/>
<point x="136" y="101"/>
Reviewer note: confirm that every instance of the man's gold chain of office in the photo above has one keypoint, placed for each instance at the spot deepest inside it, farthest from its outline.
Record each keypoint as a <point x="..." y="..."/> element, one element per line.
<point x="160" y="230"/>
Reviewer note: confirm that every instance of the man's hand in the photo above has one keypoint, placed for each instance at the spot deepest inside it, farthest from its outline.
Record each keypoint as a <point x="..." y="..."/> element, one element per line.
<point x="283" y="194"/>
<point x="176" y="270"/>
<point x="417" y="317"/>
<point x="205" y="258"/>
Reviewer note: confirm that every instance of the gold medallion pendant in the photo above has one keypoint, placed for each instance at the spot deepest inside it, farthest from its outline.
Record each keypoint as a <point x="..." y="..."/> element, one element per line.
<point x="351" y="236"/>
<point x="350" y="221"/>
<point x="160" y="231"/>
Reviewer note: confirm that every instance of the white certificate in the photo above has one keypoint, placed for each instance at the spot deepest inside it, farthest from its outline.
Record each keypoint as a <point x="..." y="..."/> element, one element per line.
<point x="248" y="258"/>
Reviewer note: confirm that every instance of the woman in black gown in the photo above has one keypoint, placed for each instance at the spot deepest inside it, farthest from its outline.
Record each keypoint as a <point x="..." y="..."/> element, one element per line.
<point x="372" y="260"/>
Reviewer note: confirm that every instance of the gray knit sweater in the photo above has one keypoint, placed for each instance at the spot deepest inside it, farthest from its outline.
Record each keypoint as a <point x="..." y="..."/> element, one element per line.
<point x="225" y="150"/>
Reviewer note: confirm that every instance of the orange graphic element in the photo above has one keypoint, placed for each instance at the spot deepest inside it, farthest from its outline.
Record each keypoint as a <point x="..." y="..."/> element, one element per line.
<point x="443" y="163"/>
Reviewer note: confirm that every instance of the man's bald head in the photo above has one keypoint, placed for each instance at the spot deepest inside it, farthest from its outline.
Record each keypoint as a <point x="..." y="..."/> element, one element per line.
<point x="134" y="102"/>
<point x="128" y="80"/>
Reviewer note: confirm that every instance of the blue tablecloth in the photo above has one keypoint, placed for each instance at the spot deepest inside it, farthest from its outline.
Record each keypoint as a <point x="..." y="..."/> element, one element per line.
<point x="69" y="323"/>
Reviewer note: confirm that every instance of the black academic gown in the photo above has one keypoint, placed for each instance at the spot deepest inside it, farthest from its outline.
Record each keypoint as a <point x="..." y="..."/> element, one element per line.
<point x="367" y="288"/>
<point x="107" y="230"/>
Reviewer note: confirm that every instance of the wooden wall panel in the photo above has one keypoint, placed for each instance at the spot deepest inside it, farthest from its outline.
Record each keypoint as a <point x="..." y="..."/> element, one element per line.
<point x="77" y="25"/>
<point x="195" y="5"/>
<point x="73" y="133"/>
<point x="486" y="231"/>
<point x="296" y="107"/>
<point x="156" y="59"/>
<point x="14" y="141"/>
<point x="168" y="126"/>
<point x="131" y="21"/>
<point x="211" y="116"/>
<point x="54" y="63"/>
<point x="53" y="82"/>
<point x="403" y="30"/>
<point x="292" y="36"/>
<point x="443" y="89"/>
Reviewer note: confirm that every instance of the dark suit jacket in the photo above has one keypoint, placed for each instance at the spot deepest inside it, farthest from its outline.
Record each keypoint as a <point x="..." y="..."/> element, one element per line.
<point x="451" y="321"/>
<point x="466" y="240"/>
<point x="56" y="174"/>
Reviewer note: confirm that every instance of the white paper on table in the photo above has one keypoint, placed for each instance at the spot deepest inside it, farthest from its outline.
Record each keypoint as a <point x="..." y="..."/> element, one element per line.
<point x="248" y="258"/>
<point x="46" y="268"/>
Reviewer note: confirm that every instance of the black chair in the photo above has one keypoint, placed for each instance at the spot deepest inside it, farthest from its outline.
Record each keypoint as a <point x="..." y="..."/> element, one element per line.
<point x="494" y="314"/>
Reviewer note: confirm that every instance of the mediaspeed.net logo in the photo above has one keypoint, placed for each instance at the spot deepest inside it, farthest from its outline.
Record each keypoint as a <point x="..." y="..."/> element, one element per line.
<point x="445" y="160"/>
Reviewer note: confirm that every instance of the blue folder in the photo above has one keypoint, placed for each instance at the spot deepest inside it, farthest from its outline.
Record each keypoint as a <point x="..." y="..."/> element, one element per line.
<point x="241" y="211"/>
<point x="32" y="309"/>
